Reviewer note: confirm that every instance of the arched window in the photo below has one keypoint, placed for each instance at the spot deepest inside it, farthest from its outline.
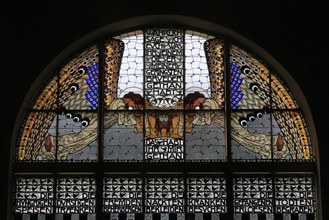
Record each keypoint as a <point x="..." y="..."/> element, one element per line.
<point x="164" y="120"/>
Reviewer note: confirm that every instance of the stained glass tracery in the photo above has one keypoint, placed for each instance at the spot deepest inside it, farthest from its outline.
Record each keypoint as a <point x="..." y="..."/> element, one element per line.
<point x="142" y="198"/>
<point x="160" y="69"/>
<point x="165" y="97"/>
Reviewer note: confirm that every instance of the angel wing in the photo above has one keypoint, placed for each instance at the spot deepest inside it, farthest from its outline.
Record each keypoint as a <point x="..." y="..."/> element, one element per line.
<point x="214" y="51"/>
<point x="73" y="92"/>
<point x="114" y="53"/>
<point x="256" y="91"/>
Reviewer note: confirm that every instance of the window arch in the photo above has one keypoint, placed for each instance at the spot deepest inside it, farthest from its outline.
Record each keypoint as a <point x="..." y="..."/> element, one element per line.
<point x="165" y="120"/>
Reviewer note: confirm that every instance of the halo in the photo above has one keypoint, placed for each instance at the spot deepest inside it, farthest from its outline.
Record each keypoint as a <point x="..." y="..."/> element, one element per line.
<point x="140" y="91"/>
<point x="197" y="89"/>
<point x="136" y="90"/>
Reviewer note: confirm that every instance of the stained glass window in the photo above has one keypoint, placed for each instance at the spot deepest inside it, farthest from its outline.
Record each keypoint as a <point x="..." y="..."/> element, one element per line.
<point x="173" y="124"/>
<point x="159" y="77"/>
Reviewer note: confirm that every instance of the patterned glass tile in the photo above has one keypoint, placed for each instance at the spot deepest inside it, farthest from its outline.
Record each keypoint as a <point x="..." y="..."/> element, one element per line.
<point x="122" y="195"/>
<point x="249" y="81"/>
<point x="75" y="195"/>
<point x="113" y="57"/>
<point x="291" y="136"/>
<point x="251" y="135"/>
<point x="196" y="69"/>
<point x="123" y="137"/>
<point x="206" y="195"/>
<point x="77" y="136"/>
<point x="78" y="82"/>
<point x="204" y="137"/>
<point x="32" y="143"/>
<point x="131" y="70"/>
<point x="281" y="95"/>
<point x="164" y="67"/>
<point x="253" y="195"/>
<point x="34" y="195"/>
<point x="164" y="195"/>
<point x="294" y="195"/>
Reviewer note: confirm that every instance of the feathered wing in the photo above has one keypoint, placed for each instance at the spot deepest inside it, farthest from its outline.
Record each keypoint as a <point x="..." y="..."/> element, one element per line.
<point x="293" y="138"/>
<point x="251" y="86"/>
<point x="250" y="89"/>
<point x="37" y="123"/>
<point x="292" y="125"/>
<point x="113" y="56"/>
<point x="77" y="91"/>
<point x="33" y="134"/>
<point x="214" y="50"/>
<point x="249" y="81"/>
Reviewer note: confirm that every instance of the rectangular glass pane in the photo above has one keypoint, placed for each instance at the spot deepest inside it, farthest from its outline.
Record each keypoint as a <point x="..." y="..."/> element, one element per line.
<point x="131" y="75"/>
<point x="291" y="140"/>
<point x="33" y="142"/>
<point x="249" y="81"/>
<point x="123" y="136"/>
<point x="206" y="195"/>
<point x="294" y="195"/>
<point x="164" y="195"/>
<point x="252" y="195"/>
<point x="34" y="195"/>
<point x="164" y="135"/>
<point x="76" y="195"/>
<point x="164" y="67"/>
<point x="78" y="82"/>
<point x="113" y="56"/>
<point x="122" y="195"/>
<point x="164" y="124"/>
<point x="251" y="135"/>
<point x="47" y="96"/>
<point x="197" y="76"/>
<point x="214" y="51"/>
<point x="281" y="96"/>
<point x="204" y="137"/>
<point x="77" y="136"/>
